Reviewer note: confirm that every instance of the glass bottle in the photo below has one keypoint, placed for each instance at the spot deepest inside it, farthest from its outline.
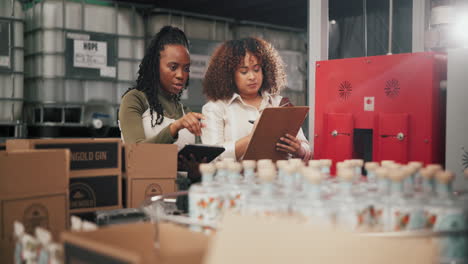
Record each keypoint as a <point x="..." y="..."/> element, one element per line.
<point x="417" y="178"/>
<point x="205" y="198"/>
<point x="311" y="203"/>
<point x="405" y="213"/>
<point x="221" y="171"/>
<point x="234" y="192"/>
<point x="325" y="165"/>
<point x="351" y="211"/>
<point x="249" y="171"/>
<point x="267" y="199"/>
<point x="281" y="164"/>
<point x="379" y="201"/>
<point x="450" y="215"/>
<point x="371" y="178"/>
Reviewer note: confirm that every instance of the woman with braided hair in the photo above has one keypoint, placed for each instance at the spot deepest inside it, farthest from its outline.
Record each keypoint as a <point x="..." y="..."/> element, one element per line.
<point x="244" y="77"/>
<point x="151" y="111"/>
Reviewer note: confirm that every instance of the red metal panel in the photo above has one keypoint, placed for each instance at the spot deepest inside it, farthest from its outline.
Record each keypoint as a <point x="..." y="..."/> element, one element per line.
<point x="401" y="83"/>
<point x="392" y="137"/>
<point x="339" y="136"/>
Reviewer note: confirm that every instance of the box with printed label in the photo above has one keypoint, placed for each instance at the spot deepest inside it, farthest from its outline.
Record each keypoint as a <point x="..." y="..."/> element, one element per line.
<point x="33" y="191"/>
<point x="95" y="170"/>
<point x="150" y="169"/>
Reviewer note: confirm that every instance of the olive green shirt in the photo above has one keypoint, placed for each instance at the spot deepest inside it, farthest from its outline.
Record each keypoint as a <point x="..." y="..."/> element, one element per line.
<point x="132" y="107"/>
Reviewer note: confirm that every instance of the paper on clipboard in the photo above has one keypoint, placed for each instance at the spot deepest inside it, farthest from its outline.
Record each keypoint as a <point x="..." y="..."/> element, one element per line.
<point x="274" y="123"/>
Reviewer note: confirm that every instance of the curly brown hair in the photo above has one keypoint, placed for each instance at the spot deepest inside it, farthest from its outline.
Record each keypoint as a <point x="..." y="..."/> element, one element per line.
<point x="219" y="83"/>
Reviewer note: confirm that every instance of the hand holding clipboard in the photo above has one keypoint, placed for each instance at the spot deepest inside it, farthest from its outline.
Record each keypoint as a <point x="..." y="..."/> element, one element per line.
<point x="274" y="124"/>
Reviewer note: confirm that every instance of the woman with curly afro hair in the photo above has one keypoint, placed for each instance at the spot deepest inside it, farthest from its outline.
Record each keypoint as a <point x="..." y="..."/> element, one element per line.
<point x="244" y="77"/>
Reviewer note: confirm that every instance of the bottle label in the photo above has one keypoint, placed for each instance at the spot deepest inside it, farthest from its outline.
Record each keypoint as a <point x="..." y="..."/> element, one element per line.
<point x="406" y="218"/>
<point x="205" y="207"/>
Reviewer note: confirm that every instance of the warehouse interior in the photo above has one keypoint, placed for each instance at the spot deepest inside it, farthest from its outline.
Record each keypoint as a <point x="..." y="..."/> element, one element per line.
<point x="383" y="83"/>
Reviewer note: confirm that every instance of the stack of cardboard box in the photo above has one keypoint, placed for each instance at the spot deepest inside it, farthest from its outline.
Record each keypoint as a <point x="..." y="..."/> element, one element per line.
<point x="95" y="170"/>
<point x="34" y="191"/>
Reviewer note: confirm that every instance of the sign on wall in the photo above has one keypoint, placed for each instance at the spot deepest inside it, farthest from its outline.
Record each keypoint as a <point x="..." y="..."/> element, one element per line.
<point x="91" y="55"/>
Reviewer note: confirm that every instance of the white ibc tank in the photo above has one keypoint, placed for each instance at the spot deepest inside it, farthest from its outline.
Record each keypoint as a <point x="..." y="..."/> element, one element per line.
<point x="61" y="73"/>
<point x="11" y="62"/>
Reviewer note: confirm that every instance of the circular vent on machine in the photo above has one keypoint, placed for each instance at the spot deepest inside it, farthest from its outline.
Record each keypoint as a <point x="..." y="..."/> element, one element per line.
<point x="344" y="90"/>
<point x="392" y="88"/>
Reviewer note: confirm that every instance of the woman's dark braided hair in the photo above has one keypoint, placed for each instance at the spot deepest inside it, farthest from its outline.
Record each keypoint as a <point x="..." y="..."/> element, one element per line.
<point x="148" y="74"/>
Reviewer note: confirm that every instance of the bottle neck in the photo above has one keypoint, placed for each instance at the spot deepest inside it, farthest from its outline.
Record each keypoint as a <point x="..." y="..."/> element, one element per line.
<point x="233" y="177"/>
<point x="444" y="190"/>
<point x="249" y="175"/>
<point x="382" y="185"/>
<point x="207" y="178"/>
<point x="427" y="185"/>
<point x="397" y="188"/>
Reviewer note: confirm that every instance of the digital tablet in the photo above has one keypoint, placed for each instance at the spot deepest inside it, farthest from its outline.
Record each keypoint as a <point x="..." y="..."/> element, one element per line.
<point x="200" y="151"/>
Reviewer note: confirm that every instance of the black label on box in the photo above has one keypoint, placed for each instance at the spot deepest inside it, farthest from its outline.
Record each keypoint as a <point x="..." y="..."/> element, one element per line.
<point x="78" y="255"/>
<point x="93" y="192"/>
<point x="87" y="156"/>
<point x="2" y="147"/>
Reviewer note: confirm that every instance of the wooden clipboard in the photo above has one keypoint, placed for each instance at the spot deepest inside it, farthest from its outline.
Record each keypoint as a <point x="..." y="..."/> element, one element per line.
<point x="274" y="123"/>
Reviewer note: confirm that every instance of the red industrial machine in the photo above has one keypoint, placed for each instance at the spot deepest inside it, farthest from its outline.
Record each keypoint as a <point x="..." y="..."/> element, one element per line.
<point x="381" y="108"/>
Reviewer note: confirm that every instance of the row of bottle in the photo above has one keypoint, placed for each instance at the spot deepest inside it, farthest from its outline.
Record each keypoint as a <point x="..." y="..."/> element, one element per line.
<point x="392" y="197"/>
<point x="40" y="248"/>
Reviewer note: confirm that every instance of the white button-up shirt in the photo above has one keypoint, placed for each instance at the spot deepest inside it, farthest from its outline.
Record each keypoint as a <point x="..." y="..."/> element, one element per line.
<point x="228" y="121"/>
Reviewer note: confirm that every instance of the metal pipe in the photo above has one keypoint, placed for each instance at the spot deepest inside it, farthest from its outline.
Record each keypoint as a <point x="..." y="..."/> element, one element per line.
<point x="390" y="26"/>
<point x="365" y="26"/>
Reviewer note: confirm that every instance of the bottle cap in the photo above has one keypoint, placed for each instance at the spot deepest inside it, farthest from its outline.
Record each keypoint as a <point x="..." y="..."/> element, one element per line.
<point x="220" y="165"/>
<point x="381" y="172"/>
<point x="260" y="162"/>
<point x="396" y="175"/>
<point x="426" y="173"/>
<point x="358" y="162"/>
<point x="444" y="176"/>
<point x="312" y="175"/>
<point x="266" y="175"/>
<point x="290" y="169"/>
<point x="281" y="163"/>
<point x="416" y="164"/>
<point x="346" y="174"/>
<point x="207" y="168"/>
<point x="235" y="167"/>
<point x="408" y="170"/>
<point x="385" y="163"/>
<point x="314" y="163"/>
<point x="434" y="168"/>
<point x="326" y="162"/>
<point x="249" y="164"/>
<point x="371" y="165"/>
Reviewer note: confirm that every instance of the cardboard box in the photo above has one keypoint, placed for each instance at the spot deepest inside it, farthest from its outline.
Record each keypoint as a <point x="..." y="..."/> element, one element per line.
<point x="150" y="169"/>
<point x="135" y="243"/>
<point x="95" y="170"/>
<point x="249" y="239"/>
<point x="34" y="191"/>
